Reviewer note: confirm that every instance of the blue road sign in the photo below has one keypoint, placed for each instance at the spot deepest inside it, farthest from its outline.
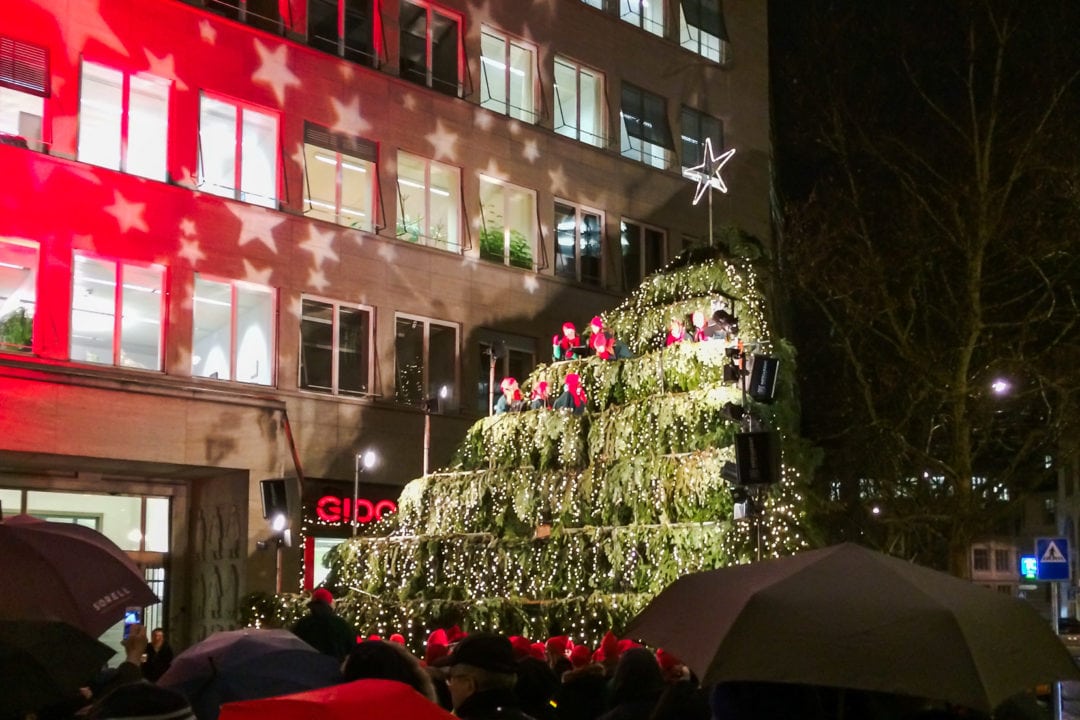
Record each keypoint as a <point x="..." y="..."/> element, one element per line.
<point x="1052" y="554"/>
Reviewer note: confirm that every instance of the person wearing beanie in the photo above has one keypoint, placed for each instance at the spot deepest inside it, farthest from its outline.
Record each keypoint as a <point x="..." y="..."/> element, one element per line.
<point x="437" y="646"/>
<point x="636" y="686"/>
<point x="481" y="675"/>
<point x="388" y="661"/>
<point x="567" y="345"/>
<point x="573" y="397"/>
<point x="557" y="650"/>
<point x="323" y="629"/>
<point x="511" y="399"/>
<point x="538" y="399"/>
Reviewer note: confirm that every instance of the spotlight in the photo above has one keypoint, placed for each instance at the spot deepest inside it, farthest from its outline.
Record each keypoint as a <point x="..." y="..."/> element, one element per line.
<point x="277" y="523"/>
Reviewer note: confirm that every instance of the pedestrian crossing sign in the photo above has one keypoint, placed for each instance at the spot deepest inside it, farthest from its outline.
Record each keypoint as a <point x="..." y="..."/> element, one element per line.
<point x="1053" y="558"/>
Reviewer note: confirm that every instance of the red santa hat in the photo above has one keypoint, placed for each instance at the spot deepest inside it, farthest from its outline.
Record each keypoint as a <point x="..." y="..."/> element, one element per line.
<point x="397" y="638"/>
<point x="580" y="656"/>
<point x="666" y="660"/>
<point x="538" y="650"/>
<point x="438" y="646"/>
<point x="558" y="645"/>
<point x="522" y="646"/>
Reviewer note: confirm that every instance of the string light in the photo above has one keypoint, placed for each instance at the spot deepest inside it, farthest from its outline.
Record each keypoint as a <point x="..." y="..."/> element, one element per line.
<point x="632" y="490"/>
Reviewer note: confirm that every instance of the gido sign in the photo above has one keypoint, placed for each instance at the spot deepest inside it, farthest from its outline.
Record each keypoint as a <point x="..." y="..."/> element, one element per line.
<point x="334" y="509"/>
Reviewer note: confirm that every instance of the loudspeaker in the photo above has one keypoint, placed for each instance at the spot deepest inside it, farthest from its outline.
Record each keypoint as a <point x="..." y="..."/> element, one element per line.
<point x="757" y="457"/>
<point x="763" y="370"/>
<point x="274" y="498"/>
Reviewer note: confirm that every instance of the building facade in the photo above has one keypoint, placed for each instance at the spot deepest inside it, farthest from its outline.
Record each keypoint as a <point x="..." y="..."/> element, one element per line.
<point x="251" y="239"/>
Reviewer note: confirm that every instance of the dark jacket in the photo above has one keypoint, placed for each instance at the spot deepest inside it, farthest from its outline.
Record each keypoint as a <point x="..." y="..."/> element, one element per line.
<point x="494" y="704"/>
<point x="325" y="631"/>
<point x="157" y="662"/>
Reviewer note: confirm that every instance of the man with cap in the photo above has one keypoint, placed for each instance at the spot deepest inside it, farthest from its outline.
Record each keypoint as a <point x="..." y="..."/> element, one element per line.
<point x="323" y="629"/>
<point x="481" y="674"/>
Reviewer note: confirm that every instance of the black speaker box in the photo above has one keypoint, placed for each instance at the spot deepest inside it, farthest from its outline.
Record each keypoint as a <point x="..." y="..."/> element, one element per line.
<point x="274" y="498"/>
<point x="763" y="370"/>
<point x="757" y="457"/>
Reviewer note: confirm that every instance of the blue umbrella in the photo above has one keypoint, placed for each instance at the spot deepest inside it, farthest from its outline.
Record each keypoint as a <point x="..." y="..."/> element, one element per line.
<point x="247" y="664"/>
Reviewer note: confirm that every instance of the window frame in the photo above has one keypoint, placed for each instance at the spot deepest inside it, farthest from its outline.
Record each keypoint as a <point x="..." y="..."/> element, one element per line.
<point x="408" y="73"/>
<point x="238" y="192"/>
<point x="119" y="267"/>
<point x="349" y="152"/>
<point x="579" y="212"/>
<point x="598" y="139"/>
<point x="644" y="269"/>
<point x="335" y="348"/>
<point x="508" y="240"/>
<point x="530" y="114"/>
<point x="658" y="155"/>
<point x="34" y="280"/>
<point x="344" y="9"/>
<point x="638" y="18"/>
<point x="124" y="159"/>
<point x="234" y="287"/>
<point x="692" y="157"/>
<point x="486" y="340"/>
<point x="424" y="234"/>
<point x="698" y="44"/>
<point x="448" y="404"/>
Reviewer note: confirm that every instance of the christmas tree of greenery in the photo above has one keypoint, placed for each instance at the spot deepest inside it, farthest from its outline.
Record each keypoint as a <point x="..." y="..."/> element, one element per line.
<point x="554" y="523"/>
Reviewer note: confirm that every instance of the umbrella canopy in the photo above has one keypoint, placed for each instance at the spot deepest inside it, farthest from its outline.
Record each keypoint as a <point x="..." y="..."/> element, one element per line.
<point x="245" y="665"/>
<point x="63" y="571"/>
<point x="43" y="661"/>
<point x="366" y="699"/>
<point x="848" y="617"/>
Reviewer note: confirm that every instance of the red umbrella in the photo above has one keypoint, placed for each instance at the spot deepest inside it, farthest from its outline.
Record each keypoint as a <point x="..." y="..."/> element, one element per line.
<point x="367" y="699"/>
<point x="63" y="571"/>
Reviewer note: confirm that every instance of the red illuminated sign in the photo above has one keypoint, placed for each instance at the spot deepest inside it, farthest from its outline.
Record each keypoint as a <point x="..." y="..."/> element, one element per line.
<point x="334" y="509"/>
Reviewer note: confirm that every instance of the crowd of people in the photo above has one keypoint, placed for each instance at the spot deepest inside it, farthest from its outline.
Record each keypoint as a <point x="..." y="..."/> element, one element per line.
<point x="601" y="342"/>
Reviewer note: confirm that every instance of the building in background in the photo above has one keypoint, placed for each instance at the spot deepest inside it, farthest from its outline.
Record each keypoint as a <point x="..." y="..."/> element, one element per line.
<point x="249" y="239"/>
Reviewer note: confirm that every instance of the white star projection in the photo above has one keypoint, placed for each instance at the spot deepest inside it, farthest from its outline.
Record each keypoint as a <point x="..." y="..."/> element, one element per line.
<point x="349" y="120"/>
<point x="408" y="101"/>
<point x="165" y="68"/>
<point x="298" y="157"/>
<point x="530" y="283"/>
<point x="388" y="252"/>
<point x="189" y="250"/>
<point x="129" y="215"/>
<point x="256" y="224"/>
<point x="317" y="279"/>
<point x="530" y="150"/>
<point x="186" y="179"/>
<point x="207" y="32"/>
<point x="492" y="171"/>
<point x="320" y="245"/>
<point x="187" y="227"/>
<point x="274" y="70"/>
<point x="348" y="73"/>
<point x="86" y="23"/>
<point x="708" y="172"/>
<point x="295" y="306"/>
<point x="558" y="181"/>
<point x="443" y="141"/>
<point x="483" y="119"/>
<point x="259" y="277"/>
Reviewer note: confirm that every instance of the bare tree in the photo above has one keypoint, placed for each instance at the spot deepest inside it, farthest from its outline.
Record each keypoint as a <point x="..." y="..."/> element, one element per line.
<point x="930" y="243"/>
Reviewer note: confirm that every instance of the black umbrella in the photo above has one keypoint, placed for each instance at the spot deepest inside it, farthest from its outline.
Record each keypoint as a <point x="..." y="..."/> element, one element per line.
<point x="43" y="662"/>
<point x="848" y="617"/>
<point x="247" y="664"/>
<point x="63" y="571"/>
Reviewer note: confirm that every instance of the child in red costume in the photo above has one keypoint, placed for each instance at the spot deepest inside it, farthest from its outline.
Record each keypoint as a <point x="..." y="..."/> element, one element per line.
<point x="573" y="398"/>
<point x="565" y="346"/>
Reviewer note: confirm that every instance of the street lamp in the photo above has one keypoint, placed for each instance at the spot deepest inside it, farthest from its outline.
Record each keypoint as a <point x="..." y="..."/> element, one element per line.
<point x="365" y="460"/>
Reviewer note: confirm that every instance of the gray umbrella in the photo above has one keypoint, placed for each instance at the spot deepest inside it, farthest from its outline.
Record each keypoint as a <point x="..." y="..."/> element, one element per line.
<point x="848" y="617"/>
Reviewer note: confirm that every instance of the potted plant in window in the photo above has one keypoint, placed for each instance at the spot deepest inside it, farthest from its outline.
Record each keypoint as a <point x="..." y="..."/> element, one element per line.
<point x="16" y="330"/>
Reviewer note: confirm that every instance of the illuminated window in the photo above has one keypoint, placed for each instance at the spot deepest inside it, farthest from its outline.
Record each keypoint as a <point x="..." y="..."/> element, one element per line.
<point x="429" y="202"/>
<point x="233" y="331"/>
<point x="646" y="14"/>
<point x="507" y="76"/>
<point x="647" y="136"/>
<point x="116" y="313"/>
<point x="508" y="230"/>
<point x="694" y="128"/>
<point x="335" y="347"/>
<point x="426" y="361"/>
<point x="579" y="234"/>
<point x="341" y="177"/>
<point x="598" y="4"/>
<point x="430" y="47"/>
<point x="238" y="151"/>
<point x="344" y="28"/>
<point x="123" y="121"/>
<point x="18" y="294"/>
<point x="579" y="102"/>
<point x="643" y="251"/>
<point x="24" y="85"/>
<point x="502" y="355"/>
<point x="702" y="29"/>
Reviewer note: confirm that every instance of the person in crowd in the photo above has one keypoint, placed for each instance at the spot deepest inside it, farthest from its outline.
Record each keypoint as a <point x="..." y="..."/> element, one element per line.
<point x="596" y="336"/>
<point x="566" y="346"/>
<point x="324" y="629"/>
<point x="538" y="399"/>
<point x="723" y="325"/>
<point x="511" y="399"/>
<point x="701" y="332"/>
<point x="141" y="700"/>
<point x="536" y="687"/>
<point x="557" y="650"/>
<point x="582" y="694"/>
<point x="159" y="656"/>
<point x="676" y="332"/>
<point x="573" y="397"/>
<point x="481" y="674"/>
<point x="388" y="661"/>
<point x="683" y="697"/>
<point x="636" y="686"/>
